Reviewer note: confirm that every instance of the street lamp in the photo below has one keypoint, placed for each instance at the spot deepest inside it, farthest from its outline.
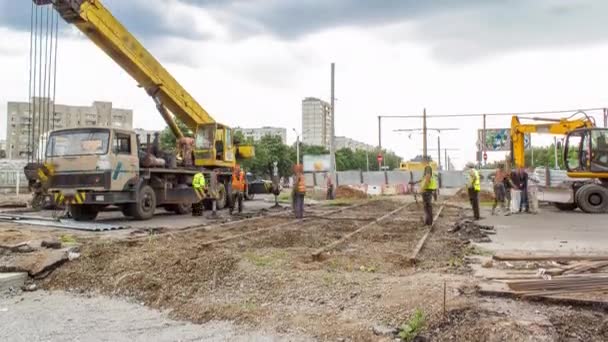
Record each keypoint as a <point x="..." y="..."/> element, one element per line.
<point x="298" y="143"/>
<point x="297" y="146"/>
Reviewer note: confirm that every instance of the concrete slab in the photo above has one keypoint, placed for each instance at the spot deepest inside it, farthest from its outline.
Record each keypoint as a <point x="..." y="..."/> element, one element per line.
<point x="550" y="230"/>
<point x="12" y="280"/>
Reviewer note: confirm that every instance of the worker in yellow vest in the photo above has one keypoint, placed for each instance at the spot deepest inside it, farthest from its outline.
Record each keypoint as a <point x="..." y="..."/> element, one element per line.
<point x="299" y="191"/>
<point x="474" y="187"/>
<point x="428" y="187"/>
<point x="238" y="189"/>
<point x="198" y="184"/>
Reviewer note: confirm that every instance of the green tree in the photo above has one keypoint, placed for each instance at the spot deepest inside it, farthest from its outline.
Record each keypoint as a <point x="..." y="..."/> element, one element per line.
<point x="268" y="150"/>
<point x="167" y="138"/>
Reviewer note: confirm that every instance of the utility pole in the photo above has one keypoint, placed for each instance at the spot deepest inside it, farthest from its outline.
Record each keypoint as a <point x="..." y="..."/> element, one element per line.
<point x="483" y="140"/>
<point x="555" y="151"/>
<point x="531" y="153"/>
<point x="332" y="151"/>
<point x="439" y="151"/>
<point x="424" y="150"/>
<point x="379" y="132"/>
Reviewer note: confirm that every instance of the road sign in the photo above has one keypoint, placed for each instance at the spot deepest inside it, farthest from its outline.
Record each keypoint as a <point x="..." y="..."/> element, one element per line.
<point x="379" y="157"/>
<point x="485" y="156"/>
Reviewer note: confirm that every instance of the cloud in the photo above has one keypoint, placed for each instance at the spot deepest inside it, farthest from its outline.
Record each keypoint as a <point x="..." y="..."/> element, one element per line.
<point x="146" y="19"/>
<point x="454" y="31"/>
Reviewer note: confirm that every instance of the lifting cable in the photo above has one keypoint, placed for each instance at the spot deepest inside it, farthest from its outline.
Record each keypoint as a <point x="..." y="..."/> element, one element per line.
<point x="44" y="32"/>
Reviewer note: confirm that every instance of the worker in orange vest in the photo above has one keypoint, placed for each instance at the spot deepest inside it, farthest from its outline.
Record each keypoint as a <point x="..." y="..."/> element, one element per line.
<point x="238" y="189"/>
<point x="299" y="190"/>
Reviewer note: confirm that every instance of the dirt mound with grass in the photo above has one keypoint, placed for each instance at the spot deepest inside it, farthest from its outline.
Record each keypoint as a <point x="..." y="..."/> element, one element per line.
<point x="347" y="192"/>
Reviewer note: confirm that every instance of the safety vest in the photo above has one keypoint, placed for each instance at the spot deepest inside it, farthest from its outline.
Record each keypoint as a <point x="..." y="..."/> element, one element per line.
<point x="237" y="181"/>
<point x="474" y="180"/>
<point x="300" y="184"/>
<point x="198" y="182"/>
<point x="432" y="185"/>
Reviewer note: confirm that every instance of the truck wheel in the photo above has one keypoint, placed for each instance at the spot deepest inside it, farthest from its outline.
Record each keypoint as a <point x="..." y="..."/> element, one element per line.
<point x="144" y="206"/>
<point x="222" y="198"/>
<point x="179" y="209"/>
<point x="83" y="212"/>
<point x="127" y="210"/>
<point x="592" y="198"/>
<point x="565" y="206"/>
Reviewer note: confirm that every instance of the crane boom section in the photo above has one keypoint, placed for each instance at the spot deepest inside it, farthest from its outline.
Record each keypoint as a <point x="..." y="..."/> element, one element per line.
<point x="518" y="131"/>
<point x="99" y="25"/>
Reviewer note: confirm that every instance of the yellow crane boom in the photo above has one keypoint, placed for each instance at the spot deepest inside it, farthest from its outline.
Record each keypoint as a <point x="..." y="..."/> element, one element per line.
<point x="213" y="147"/>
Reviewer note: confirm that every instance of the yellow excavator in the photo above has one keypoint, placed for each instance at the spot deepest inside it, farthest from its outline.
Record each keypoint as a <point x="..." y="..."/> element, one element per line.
<point x="585" y="157"/>
<point x="116" y="170"/>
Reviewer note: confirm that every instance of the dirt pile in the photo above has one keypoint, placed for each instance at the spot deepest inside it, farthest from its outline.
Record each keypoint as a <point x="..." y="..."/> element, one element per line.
<point x="484" y="195"/>
<point x="467" y="229"/>
<point x="345" y="191"/>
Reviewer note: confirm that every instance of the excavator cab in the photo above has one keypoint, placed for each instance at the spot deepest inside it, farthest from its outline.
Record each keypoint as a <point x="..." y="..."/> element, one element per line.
<point x="586" y="153"/>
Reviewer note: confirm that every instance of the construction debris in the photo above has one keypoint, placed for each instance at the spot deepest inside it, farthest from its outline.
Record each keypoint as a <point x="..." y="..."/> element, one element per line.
<point x="559" y="286"/>
<point x="548" y="257"/>
<point x="468" y="229"/>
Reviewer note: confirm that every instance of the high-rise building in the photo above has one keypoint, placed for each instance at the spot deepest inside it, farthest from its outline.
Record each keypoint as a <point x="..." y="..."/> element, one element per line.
<point x="316" y="122"/>
<point x="19" y="137"/>
<point x="258" y="133"/>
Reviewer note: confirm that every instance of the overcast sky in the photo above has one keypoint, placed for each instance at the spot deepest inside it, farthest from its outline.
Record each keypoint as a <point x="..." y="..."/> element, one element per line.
<point x="251" y="62"/>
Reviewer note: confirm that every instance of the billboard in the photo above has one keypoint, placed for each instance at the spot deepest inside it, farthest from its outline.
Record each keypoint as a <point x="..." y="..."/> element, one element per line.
<point x="497" y="139"/>
<point x="316" y="163"/>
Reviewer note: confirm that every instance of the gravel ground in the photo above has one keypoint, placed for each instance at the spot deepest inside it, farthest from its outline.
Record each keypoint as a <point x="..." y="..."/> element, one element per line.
<point x="58" y="316"/>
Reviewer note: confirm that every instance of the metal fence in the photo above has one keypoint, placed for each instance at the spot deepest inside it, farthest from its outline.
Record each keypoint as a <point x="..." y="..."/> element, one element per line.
<point x="13" y="181"/>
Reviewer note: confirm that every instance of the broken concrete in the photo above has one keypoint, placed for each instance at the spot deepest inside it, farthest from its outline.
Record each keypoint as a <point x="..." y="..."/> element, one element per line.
<point x="37" y="264"/>
<point x="12" y="280"/>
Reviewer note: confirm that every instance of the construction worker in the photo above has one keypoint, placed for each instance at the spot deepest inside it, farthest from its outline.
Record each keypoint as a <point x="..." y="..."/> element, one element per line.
<point x="198" y="184"/>
<point x="213" y="192"/>
<point x="428" y="187"/>
<point x="299" y="191"/>
<point x="330" y="187"/>
<point x="499" y="188"/>
<point x="238" y="189"/>
<point x="474" y="187"/>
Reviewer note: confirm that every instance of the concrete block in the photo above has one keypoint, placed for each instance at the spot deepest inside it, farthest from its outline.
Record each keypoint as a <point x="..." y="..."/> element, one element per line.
<point x="374" y="190"/>
<point x="14" y="280"/>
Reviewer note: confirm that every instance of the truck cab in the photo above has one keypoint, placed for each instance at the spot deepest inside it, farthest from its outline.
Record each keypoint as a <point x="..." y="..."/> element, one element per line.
<point x="95" y="167"/>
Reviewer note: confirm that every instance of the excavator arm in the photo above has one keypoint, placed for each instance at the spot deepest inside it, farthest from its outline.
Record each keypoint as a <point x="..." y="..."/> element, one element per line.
<point x="550" y="126"/>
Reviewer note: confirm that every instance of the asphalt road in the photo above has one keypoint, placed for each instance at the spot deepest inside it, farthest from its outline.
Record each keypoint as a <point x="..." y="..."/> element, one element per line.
<point x="550" y="230"/>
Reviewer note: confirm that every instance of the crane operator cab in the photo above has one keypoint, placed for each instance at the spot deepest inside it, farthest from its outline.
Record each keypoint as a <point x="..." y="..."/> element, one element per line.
<point x="214" y="146"/>
<point x="586" y="153"/>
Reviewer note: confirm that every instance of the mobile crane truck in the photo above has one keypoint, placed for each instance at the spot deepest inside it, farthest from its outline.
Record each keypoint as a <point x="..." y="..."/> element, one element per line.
<point x="91" y="168"/>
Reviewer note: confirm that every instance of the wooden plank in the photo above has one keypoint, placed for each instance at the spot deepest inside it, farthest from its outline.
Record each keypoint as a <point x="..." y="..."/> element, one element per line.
<point x="500" y="290"/>
<point x="317" y="254"/>
<point x="548" y="257"/>
<point x="587" y="267"/>
<point x="412" y="258"/>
